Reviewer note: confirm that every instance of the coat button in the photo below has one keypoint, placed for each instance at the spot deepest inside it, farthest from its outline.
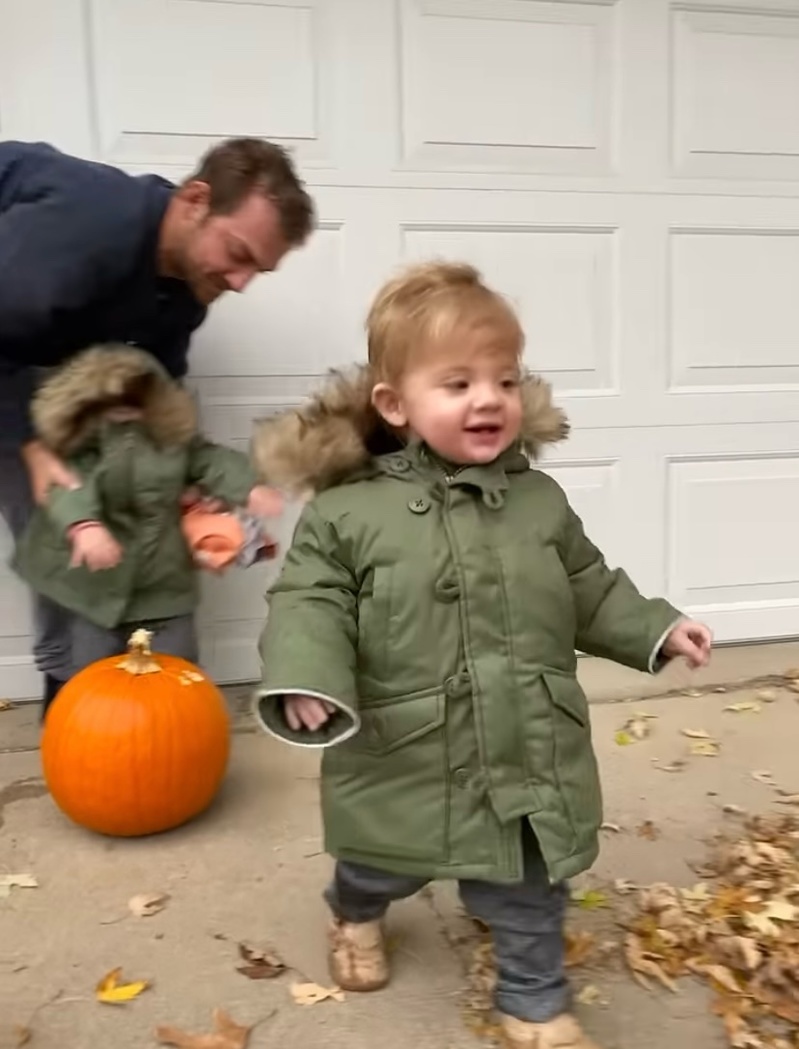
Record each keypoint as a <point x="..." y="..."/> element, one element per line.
<point x="418" y="506"/>
<point x="399" y="466"/>
<point x="457" y="685"/>
<point x="461" y="778"/>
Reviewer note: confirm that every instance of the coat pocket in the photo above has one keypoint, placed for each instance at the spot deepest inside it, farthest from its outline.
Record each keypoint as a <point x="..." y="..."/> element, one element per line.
<point x="575" y="763"/>
<point x="384" y="792"/>
<point x="374" y="616"/>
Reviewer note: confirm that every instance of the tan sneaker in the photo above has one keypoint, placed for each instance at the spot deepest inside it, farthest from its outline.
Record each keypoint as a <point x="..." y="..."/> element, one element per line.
<point x="561" y="1033"/>
<point x="357" y="955"/>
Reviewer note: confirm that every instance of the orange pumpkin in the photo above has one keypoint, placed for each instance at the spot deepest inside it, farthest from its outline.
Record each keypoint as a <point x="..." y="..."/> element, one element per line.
<point x="136" y="744"/>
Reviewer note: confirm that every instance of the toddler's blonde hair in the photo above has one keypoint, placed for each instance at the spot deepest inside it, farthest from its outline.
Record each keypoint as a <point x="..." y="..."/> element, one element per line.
<point x="428" y="303"/>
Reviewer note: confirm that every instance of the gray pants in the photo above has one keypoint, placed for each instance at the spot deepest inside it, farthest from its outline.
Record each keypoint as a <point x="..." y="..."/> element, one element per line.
<point x="51" y="624"/>
<point x="173" y="637"/>
<point x="526" y="922"/>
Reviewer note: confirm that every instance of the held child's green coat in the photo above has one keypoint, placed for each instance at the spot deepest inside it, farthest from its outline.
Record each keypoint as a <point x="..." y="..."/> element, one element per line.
<point x="440" y="610"/>
<point x="132" y="475"/>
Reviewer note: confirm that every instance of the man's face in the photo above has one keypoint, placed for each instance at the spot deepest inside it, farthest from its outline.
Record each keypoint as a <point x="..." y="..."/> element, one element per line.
<point x="220" y="253"/>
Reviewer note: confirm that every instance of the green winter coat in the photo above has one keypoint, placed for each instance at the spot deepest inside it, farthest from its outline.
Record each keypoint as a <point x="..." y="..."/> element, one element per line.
<point x="439" y="610"/>
<point x="132" y="477"/>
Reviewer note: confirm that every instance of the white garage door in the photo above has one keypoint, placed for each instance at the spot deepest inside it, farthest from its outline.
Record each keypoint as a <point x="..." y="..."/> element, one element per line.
<point x="628" y="171"/>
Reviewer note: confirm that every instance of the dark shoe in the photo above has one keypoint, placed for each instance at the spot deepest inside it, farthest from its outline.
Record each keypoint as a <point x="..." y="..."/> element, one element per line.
<point x="52" y="686"/>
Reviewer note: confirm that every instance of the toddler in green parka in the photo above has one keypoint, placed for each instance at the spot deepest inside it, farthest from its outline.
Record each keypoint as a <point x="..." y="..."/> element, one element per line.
<point x="111" y="550"/>
<point x="423" y="632"/>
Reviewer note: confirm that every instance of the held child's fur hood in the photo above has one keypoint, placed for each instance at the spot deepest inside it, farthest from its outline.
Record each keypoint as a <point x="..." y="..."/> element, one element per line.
<point x="67" y="409"/>
<point x="338" y="432"/>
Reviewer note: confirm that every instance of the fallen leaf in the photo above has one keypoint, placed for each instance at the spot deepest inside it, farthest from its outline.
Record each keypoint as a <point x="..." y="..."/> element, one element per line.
<point x="623" y="739"/>
<point x="21" y="1034"/>
<point x="648" y="830"/>
<point x="589" y="995"/>
<point x="693" y="693"/>
<point x="6" y="704"/>
<point x="579" y="946"/>
<point x="733" y="810"/>
<point x="720" y="689"/>
<point x="643" y="966"/>
<point x="788" y="799"/>
<point x="624" y="887"/>
<point x="763" y="776"/>
<point x="226" y="1035"/>
<point x="766" y="695"/>
<point x="147" y="904"/>
<point x="793" y="686"/>
<point x="674" y="766"/>
<point x="16" y="881"/>
<point x="792" y="674"/>
<point x="613" y="827"/>
<point x="312" y="993"/>
<point x="706" y="748"/>
<point x="696" y="733"/>
<point x="263" y="963"/>
<point x="112" y="992"/>
<point x="589" y="899"/>
<point x="743" y="708"/>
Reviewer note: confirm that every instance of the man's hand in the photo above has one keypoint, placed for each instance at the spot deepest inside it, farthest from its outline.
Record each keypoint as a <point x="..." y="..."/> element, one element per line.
<point x="691" y="640"/>
<point x="45" y="470"/>
<point x="93" y="546"/>
<point x="307" y="712"/>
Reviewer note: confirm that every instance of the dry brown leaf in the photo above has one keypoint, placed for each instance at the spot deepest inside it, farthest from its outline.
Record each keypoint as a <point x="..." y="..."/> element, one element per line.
<point x="16" y="881"/>
<point x="644" y="966"/>
<point x="696" y="733"/>
<point x="766" y="695"/>
<point x="579" y="946"/>
<point x="147" y="904"/>
<point x="227" y="1034"/>
<point x="22" y="1035"/>
<point x="793" y="686"/>
<point x="692" y="693"/>
<point x="733" y="810"/>
<point x="763" y="776"/>
<point x="6" y="704"/>
<point x="312" y="993"/>
<point x="674" y="766"/>
<point x="624" y="887"/>
<point x="744" y="708"/>
<point x="792" y="674"/>
<point x="788" y="799"/>
<point x="263" y="963"/>
<point x="648" y="830"/>
<point x="613" y="827"/>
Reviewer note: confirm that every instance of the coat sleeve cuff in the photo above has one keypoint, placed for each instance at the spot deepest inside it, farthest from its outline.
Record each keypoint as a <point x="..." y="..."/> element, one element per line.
<point x="69" y="506"/>
<point x="268" y="711"/>
<point x="657" y="661"/>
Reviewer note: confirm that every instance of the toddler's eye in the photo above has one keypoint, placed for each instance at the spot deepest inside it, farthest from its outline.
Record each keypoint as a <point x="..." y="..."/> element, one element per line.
<point x="510" y="384"/>
<point x="456" y="385"/>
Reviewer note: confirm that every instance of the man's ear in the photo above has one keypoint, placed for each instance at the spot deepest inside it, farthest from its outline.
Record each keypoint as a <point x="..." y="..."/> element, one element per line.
<point x="196" y="197"/>
<point x="387" y="402"/>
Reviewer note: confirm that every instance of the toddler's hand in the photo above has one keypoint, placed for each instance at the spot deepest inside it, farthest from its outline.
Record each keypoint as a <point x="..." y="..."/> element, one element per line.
<point x="94" y="546"/>
<point x="265" y="502"/>
<point x="307" y="712"/>
<point x="691" y="640"/>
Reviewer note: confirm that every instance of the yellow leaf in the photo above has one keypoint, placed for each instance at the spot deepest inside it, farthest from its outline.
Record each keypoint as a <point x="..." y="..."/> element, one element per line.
<point x="589" y="899"/>
<point x="706" y="748"/>
<point x="112" y="992"/>
<point x="624" y="739"/>
<point x="312" y="993"/>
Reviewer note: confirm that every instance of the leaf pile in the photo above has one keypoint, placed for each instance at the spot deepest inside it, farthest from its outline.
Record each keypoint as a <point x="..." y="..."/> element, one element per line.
<point x="739" y="931"/>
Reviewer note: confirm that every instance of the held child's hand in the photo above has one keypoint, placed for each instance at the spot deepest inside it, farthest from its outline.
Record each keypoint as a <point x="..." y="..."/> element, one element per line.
<point x="265" y="502"/>
<point x="691" y="640"/>
<point x="94" y="546"/>
<point x="307" y="712"/>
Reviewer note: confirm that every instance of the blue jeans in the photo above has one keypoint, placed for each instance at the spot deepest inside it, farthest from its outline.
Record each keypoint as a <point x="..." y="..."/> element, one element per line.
<point x="526" y="922"/>
<point x="52" y="641"/>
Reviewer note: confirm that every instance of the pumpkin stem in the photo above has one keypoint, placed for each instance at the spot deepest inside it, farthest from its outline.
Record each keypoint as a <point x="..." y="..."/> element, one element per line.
<point x="139" y="659"/>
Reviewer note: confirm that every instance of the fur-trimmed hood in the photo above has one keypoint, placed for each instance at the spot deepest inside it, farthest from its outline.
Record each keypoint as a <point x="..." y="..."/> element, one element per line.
<point x="67" y="409"/>
<point x="338" y="432"/>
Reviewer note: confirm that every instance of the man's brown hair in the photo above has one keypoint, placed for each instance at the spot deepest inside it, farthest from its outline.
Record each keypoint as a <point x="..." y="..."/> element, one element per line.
<point x="240" y="166"/>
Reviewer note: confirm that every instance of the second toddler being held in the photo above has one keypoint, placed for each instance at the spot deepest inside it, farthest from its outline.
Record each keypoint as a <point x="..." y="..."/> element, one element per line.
<point x="423" y="632"/>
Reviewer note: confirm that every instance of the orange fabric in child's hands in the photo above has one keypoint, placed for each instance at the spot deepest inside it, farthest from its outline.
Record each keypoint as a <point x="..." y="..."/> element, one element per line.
<point x="215" y="539"/>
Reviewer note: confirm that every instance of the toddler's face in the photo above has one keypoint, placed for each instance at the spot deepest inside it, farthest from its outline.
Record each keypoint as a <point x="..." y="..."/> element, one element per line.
<point x="463" y="401"/>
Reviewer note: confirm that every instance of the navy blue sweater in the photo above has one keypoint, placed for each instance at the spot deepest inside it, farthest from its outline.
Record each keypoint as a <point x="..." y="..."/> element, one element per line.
<point x="78" y="256"/>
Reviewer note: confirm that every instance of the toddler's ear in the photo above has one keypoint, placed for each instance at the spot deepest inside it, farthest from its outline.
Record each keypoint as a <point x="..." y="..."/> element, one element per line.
<point x="389" y="404"/>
